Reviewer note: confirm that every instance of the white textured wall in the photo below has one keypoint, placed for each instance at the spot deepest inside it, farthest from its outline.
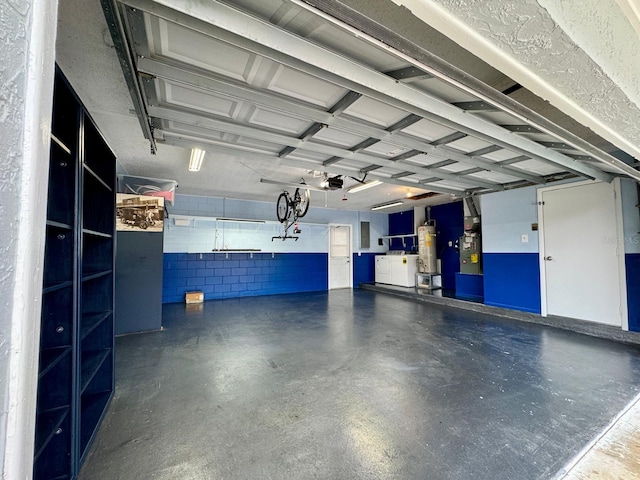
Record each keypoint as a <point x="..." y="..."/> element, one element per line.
<point x="27" y="36"/>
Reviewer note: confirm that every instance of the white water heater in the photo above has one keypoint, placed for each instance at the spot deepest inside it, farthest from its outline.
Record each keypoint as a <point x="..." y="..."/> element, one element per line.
<point x="427" y="261"/>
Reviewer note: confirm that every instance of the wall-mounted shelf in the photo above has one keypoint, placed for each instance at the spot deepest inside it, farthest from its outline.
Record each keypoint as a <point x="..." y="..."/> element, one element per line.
<point x="400" y="236"/>
<point x="243" y="221"/>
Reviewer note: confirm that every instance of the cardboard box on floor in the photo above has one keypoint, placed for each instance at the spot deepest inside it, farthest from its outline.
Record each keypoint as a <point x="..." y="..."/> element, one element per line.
<point x="194" y="297"/>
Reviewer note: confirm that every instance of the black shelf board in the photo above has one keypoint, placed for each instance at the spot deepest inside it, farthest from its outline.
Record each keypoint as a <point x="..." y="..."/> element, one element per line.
<point x="93" y="275"/>
<point x="89" y="406"/>
<point x="53" y="223"/>
<point x="96" y="233"/>
<point x="60" y="143"/>
<point x="97" y="177"/>
<point x="49" y="357"/>
<point x="46" y="425"/>
<point x="56" y="286"/>
<point x="91" y="363"/>
<point x="90" y="322"/>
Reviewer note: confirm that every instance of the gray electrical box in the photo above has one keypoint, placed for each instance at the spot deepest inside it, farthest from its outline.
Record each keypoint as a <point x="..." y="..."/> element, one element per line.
<point x="365" y="236"/>
<point x="471" y="247"/>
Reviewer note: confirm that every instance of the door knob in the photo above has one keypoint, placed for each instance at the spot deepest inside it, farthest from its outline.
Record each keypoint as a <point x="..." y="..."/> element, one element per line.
<point x="549" y="258"/>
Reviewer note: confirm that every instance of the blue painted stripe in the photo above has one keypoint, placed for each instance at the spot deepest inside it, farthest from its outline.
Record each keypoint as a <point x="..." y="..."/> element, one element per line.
<point x="512" y="280"/>
<point x="632" y="264"/>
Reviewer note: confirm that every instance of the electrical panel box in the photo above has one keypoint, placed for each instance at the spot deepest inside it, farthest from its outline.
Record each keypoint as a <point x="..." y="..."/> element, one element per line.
<point x="470" y="253"/>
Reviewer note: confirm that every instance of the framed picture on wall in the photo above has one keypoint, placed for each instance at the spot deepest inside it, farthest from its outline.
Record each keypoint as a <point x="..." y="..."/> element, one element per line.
<point x="139" y="213"/>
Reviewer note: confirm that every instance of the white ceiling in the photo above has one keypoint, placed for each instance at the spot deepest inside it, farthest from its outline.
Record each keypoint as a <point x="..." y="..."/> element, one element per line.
<point x="275" y="89"/>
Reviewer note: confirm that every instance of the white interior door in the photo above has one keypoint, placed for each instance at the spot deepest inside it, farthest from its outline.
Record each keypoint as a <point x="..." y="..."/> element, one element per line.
<point x="339" y="256"/>
<point x="579" y="254"/>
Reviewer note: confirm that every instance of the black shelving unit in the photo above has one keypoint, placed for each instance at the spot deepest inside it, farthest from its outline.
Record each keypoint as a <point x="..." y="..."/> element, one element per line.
<point x="76" y="369"/>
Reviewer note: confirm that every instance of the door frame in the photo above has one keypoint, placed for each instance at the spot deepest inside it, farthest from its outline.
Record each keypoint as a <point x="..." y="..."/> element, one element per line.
<point x="622" y="283"/>
<point x="346" y="225"/>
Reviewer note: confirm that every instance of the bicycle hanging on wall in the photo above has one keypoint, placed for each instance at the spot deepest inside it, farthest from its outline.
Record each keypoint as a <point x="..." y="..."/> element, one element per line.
<point x="289" y="208"/>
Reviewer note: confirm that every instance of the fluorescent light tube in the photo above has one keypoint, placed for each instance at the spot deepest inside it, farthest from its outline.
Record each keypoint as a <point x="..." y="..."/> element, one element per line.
<point x="387" y="205"/>
<point x="364" y="186"/>
<point x="195" y="162"/>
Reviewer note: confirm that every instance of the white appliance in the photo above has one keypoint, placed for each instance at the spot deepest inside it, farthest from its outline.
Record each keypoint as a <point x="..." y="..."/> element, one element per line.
<point x="396" y="269"/>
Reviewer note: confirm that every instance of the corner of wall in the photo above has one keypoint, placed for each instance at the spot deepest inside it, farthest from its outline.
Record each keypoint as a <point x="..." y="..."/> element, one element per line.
<point x="28" y="64"/>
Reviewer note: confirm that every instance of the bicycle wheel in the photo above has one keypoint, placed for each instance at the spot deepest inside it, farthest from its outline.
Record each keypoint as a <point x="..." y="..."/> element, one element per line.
<point x="301" y="199"/>
<point x="282" y="207"/>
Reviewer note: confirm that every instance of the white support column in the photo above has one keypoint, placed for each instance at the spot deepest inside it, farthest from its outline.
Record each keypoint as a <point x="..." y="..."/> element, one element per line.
<point x="26" y="67"/>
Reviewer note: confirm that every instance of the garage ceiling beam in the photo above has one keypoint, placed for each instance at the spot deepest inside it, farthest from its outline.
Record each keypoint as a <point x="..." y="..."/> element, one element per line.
<point x="229" y="88"/>
<point x="225" y="23"/>
<point x="559" y="145"/>
<point x="126" y="60"/>
<point x="409" y="74"/>
<point x="343" y="16"/>
<point x="521" y="128"/>
<point x="191" y="119"/>
<point x="186" y="141"/>
<point x="476" y="106"/>
<point x="344" y="103"/>
<point x="485" y="150"/>
<point x="449" y="138"/>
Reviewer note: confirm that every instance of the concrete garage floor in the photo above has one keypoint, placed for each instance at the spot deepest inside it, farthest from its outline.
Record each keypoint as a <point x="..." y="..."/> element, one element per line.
<point x="355" y="385"/>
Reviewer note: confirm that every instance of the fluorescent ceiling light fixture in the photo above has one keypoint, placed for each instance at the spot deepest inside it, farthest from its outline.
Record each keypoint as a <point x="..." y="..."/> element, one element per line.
<point x="364" y="186"/>
<point x="195" y="162"/>
<point x="387" y="205"/>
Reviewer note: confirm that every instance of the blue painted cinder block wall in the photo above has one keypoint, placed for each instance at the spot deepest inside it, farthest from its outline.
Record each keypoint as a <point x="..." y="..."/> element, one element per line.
<point x="221" y="275"/>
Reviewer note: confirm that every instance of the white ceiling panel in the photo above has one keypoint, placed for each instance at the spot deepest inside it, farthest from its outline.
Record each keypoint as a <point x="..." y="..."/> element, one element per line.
<point x="172" y="94"/>
<point x="455" y="167"/>
<point x="338" y="137"/>
<point x="422" y="160"/>
<point x="536" y="166"/>
<point x="493" y="177"/>
<point x="176" y="42"/>
<point x="375" y="111"/>
<point x="295" y="84"/>
<point x="500" y="155"/>
<point x="385" y="149"/>
<point x="345" y="43"/>
<point x="428" y="130"/>
<point x="469" y="144"/>
<point x="277" y="121"/>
